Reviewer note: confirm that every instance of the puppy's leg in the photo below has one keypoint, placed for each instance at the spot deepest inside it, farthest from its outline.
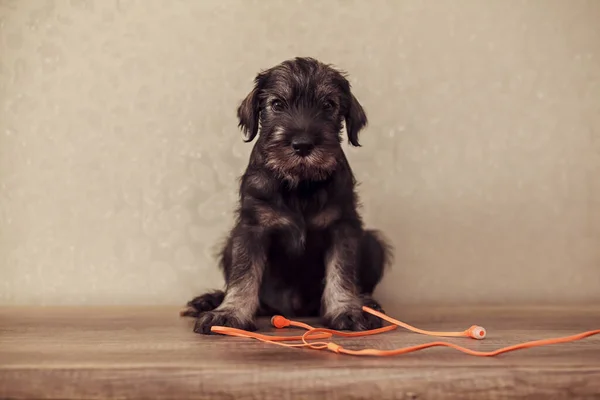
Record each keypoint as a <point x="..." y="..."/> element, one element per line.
<point x="206" y="302"/>
<point x="375" y="255"/>
<point x="244" y="277"/>
<point x="342" y="302"/>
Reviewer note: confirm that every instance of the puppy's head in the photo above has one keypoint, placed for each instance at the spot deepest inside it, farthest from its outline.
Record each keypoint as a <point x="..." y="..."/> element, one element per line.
<point x="300" y="106"/>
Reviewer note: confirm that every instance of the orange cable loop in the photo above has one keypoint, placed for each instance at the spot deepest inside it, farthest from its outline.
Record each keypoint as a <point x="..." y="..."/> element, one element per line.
<point x="474" y="332"/>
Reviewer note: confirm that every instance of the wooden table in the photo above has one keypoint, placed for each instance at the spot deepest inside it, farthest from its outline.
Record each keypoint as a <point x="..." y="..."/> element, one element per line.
<point x="150" y="352"/>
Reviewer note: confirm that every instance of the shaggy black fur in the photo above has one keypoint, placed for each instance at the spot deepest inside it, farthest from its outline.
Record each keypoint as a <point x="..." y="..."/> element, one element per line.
<point x="298" y="247"/>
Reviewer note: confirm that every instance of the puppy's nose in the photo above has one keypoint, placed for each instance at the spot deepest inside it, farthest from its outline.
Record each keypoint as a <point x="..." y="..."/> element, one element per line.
<point x="302" y="146"/>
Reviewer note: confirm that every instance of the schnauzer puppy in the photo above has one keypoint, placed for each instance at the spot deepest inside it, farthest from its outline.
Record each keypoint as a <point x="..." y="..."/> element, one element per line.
<point x="298" y="247"/>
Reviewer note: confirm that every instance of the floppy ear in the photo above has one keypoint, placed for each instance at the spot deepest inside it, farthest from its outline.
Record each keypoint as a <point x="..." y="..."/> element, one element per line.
<point x="248" y="114"/>
<point x="356" y="119"/>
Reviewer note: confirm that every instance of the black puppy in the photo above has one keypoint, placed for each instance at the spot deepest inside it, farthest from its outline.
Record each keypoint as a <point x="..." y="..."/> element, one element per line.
<point x="298" y="247"/>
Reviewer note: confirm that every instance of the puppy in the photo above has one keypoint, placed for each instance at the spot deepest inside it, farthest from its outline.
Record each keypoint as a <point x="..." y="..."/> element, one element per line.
<point x="298" y="247"/>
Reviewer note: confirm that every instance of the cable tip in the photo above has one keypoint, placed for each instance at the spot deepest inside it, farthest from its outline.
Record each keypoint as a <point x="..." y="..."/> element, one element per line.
<point x="333" y="347"/>
<point x="477" y="332"/>
<point x="280" y="322"/>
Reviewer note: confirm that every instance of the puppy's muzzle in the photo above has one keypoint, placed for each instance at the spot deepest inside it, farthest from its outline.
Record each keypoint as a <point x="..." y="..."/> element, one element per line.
<point x="303" y="146"/>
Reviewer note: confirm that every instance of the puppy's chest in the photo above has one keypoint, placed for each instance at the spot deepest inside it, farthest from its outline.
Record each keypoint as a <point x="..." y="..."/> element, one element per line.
<point x="314" y="205"/>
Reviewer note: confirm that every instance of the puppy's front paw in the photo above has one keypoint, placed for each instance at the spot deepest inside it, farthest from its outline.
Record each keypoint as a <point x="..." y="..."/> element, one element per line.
<point x="227" y="318"/>
<point x="353" y="319"/>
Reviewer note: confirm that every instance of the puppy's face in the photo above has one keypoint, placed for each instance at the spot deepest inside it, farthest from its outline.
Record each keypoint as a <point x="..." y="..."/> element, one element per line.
<point x="300" y="106"/>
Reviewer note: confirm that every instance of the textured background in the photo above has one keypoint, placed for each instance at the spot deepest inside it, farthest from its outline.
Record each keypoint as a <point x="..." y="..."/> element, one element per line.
<point x="119" y="151"/>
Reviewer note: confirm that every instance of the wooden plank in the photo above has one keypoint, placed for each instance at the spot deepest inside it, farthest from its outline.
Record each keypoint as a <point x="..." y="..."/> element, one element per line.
<point x="149" y="352"/>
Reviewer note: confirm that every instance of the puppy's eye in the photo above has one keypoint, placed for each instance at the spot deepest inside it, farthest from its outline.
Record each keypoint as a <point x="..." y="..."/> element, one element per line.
<point x="277" y="105"/>
<point x="328" y="105"/>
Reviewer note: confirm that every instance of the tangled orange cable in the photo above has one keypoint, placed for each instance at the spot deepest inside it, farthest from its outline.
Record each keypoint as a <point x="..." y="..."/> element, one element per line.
<point x="474" y="332"/>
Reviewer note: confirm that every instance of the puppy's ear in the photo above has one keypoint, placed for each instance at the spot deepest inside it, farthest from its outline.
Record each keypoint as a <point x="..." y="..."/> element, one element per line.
<point x="356" y="119"/>
<point x="248" y="114"/>
<point x="249" y="110"/>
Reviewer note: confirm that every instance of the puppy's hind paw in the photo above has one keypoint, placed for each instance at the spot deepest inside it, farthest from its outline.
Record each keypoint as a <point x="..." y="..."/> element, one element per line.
<point x="206" y="302"/>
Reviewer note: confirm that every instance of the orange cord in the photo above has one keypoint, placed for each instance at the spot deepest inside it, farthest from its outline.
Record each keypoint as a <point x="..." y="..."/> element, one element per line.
<point x="475" y="332"/>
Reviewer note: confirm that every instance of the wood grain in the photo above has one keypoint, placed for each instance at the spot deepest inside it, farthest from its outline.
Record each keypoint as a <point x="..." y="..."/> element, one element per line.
<point x="150" y="352"/>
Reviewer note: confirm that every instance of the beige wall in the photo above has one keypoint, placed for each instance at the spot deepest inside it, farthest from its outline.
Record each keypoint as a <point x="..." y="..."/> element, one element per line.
<point x="119" y="150"/>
